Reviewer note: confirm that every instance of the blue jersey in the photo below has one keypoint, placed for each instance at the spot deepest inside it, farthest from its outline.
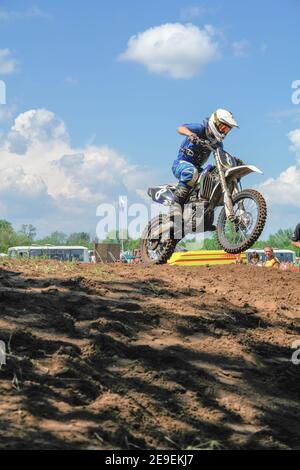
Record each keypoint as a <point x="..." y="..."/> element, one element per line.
<point x="196" y="153"/>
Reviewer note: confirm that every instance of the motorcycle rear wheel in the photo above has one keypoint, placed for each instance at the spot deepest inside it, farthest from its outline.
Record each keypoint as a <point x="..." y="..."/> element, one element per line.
<point x="156" y="251"/>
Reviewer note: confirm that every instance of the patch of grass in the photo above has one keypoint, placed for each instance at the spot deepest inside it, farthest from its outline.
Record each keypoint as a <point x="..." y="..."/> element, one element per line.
<point x="154" y="290"/>
<point x="209" y="445"/>
<point x="98" y="270"/>
<point x="16" y="383"/>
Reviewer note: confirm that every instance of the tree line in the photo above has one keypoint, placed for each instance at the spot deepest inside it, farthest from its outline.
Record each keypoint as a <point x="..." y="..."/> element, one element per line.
<point x="27" y="235"/>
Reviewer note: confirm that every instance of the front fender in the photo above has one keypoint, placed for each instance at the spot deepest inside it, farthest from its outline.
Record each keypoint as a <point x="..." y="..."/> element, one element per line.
<point x="234" y="172"/>
<point x="240" y="171"/>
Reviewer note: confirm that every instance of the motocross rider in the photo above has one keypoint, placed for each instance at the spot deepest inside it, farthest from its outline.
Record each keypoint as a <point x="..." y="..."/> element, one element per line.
<point x="193" y="155"/>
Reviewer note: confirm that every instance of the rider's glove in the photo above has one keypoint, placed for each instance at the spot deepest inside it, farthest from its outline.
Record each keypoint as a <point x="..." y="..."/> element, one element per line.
<point x="239" y="162"/>
<point x="194" y="138"/>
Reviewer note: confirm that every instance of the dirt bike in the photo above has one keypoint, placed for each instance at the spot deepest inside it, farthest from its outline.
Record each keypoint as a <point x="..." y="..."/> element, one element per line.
<point x="241" y="220"/>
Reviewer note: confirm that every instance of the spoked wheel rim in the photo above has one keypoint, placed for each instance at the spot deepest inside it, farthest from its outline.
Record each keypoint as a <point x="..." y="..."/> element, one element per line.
<point x="156" y="251"/>
<point x="250" y="215"/>
<point x="154" y="248"/>
<point x="246" y="216"/>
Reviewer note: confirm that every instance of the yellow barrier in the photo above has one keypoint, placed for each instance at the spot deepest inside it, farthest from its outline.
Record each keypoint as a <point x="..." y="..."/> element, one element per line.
<point x="205" y="257"/>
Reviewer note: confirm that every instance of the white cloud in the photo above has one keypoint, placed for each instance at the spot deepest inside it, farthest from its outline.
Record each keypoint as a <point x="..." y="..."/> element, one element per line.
<point x="23" y="194"/>
<point x="7" y="112"/>
<point x="279" y="116"/>
<point x="240" y="48"/>
<point x="196" y="11"/>
<point x="285" y="189"/>
<point x="58" y="186"/>
<point x="294" y="137"/>
<point x="173" y="49"/>
<point x="35" y="128"/>
<point x="8" y="64"/>
<point x="72" y="80"/>
<point x="20" y="184"/>
<point x="263" y="48"/>
<point x="93" y="174"/>
<point x="33" y="12"/>
<point x="40" y="126"/>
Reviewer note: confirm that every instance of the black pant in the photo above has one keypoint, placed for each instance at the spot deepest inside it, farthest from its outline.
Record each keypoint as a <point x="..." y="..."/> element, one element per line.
<point x="296" y="236"/>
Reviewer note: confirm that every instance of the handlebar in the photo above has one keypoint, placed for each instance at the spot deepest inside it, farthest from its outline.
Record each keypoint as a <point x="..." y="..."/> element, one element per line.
<point x="213" y="148"/>
<point x="206" y="143"/>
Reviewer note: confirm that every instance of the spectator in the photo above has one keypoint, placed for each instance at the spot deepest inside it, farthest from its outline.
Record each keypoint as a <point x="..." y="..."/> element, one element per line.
<point x="285" y="266"/>
<point x="271" y="260"/>
<point x="254" y="259"/>
<point x="295" y="240"/>
<point x="238" y="259"/>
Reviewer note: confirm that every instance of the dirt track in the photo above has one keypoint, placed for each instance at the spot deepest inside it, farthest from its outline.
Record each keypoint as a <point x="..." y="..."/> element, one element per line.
<point x="128" y="357"/>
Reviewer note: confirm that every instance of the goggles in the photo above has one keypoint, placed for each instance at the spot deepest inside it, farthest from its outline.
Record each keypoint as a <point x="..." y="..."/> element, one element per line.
<point x="221" y="126"/>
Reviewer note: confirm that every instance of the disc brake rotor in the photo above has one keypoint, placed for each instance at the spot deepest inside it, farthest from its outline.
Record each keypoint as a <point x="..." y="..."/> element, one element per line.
<point x="245" y="220"/>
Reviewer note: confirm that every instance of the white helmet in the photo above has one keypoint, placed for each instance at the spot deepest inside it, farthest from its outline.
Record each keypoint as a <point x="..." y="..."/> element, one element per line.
<point x="219" y="117"/>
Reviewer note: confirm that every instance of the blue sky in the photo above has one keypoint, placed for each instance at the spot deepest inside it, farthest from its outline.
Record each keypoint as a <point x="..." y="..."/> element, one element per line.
<point x="66" y="60"/>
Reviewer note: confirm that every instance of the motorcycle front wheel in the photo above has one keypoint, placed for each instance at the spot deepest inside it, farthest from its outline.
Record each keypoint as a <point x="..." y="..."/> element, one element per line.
<point x="250" y="212"/>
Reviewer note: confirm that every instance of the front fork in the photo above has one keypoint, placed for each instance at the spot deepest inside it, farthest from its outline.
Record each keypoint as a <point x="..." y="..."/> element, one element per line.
<point x="228" y="205"/>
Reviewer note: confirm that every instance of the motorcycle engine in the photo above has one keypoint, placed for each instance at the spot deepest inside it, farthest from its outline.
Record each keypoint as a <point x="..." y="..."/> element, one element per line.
<point x="208" y="181"/>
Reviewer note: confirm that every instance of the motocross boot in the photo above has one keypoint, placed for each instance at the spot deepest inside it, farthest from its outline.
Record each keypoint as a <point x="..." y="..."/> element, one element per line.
<point x="180" y="196"/>
<point x="210" y="228"/>
<point x="181" y="193"/>
<point x="208" y="224"/>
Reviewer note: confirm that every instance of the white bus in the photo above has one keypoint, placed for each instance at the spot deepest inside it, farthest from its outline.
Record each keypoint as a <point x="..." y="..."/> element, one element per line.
<point x="284" y="256"/>
<point x="63" y="253"/>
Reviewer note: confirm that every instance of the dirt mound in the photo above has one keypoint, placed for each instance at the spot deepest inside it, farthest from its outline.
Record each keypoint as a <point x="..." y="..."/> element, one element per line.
<point x="131" y="357"/>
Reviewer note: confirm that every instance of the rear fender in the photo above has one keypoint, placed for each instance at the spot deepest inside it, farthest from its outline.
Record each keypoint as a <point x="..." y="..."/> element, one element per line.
<point x="162" y="194"/>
